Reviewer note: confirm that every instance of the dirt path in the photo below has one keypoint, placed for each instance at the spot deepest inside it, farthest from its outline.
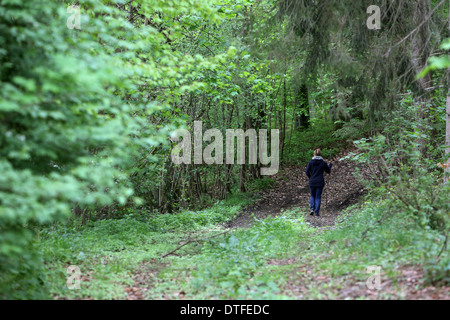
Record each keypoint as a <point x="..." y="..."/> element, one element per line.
<point x="291" y="191"/>
<point x="342" y="190"/>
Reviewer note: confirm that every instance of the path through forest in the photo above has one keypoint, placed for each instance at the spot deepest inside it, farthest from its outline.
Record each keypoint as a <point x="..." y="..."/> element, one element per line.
<point x="341" y="191"/>
<point x="292" y="191"/>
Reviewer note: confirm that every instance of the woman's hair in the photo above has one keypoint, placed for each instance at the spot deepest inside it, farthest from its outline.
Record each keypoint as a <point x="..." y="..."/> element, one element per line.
<point x="317" y="152"/>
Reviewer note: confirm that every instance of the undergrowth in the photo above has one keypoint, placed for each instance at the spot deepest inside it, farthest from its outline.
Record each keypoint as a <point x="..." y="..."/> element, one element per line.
<point x="320" y="135"/>
<point x="379" y="234"/>
<point x="107" y="252"/>
<point x="237" y="265"/>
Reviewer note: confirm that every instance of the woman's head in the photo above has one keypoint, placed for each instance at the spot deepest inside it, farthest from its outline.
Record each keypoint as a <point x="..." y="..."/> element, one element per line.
<point x="317" y="152"/>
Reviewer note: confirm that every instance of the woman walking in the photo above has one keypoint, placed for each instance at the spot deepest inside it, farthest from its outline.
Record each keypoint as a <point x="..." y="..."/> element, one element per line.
<point x="314" y="171"/>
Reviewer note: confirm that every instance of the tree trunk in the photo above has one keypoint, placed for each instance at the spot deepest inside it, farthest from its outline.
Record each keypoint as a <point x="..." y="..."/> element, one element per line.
<point x="447" y="133"/>
<point x="420" y="43"/>
<point x="302" y="103"/>
<point x="420" y="51"/>
<point x="447" y="128"/>
<point x="282" y="121"/>
<point x="242" y="179"/>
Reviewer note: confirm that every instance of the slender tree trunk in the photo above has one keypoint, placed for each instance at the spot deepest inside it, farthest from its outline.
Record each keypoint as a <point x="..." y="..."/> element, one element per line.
<point x="242" y="179"/>
<point x="420" y="50"/>
<point x="447" y="132"/>
<point x="130" y="14"/>
<point x="302" y="103"/>
<point x="282" y="121"/>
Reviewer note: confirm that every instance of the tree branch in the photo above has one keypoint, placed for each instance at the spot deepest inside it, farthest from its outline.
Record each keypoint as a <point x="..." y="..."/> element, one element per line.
<point x="194" y="240"/>
<point x="415" y="29"/>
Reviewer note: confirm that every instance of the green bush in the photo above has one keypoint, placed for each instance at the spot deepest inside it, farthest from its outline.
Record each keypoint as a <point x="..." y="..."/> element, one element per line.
<point x="403" y="164"/>
<point x="73" y="116"/>
<point x="320" y="135"/>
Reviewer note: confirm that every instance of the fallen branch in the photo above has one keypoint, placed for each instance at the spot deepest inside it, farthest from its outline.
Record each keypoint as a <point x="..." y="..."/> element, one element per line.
<point x="194" y="240"/>
<point x="328" y="227"/>
<point x="378" y="222"/>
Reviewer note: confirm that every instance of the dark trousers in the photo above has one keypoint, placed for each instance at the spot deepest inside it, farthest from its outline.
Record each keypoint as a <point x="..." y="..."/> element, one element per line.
<point x="316" y="198"/>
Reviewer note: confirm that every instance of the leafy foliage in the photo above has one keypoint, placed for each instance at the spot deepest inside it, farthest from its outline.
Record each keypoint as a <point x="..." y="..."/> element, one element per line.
<point x="87" y="118"/>
<point x="73" y="115"/>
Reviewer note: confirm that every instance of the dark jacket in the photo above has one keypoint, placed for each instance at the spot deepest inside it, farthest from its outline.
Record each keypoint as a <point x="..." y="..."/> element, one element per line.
<point x="315" y="170"/>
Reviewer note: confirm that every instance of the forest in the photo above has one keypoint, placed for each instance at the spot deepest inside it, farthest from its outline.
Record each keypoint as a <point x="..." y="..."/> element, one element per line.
<point x="162" y="149"/>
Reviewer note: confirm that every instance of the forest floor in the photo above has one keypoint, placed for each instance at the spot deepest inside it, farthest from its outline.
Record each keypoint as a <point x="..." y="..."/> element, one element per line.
<point x="302" y="278"/>
<point x="269" y="248"/>
<point x="342" y="190"/>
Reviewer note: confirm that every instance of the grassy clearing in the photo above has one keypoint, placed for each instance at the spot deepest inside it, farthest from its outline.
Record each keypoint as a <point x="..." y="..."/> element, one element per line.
<point x="284" y="258"/>
<point x="236" y="266"/>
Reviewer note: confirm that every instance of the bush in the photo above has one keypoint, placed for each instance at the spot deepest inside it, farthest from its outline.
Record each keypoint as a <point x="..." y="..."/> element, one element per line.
<point x="404" y="167"/>
<point x="73" y="116"/>
<point x="320" y="135"/>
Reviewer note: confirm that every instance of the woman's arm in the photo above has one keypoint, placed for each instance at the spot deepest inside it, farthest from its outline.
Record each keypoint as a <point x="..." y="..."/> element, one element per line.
<point x="308" y="169"/>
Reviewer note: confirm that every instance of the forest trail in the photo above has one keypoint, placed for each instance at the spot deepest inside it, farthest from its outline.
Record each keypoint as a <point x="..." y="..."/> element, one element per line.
<point x="291" y="190"/>
<point x="341" y="191"/>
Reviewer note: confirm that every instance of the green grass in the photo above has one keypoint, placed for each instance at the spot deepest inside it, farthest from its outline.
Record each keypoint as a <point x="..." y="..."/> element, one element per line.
<point x="242" y="264"/>
<point x="373" y="234"/>
<point x="109" y="251"/>
<point x="235" y="266"/>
